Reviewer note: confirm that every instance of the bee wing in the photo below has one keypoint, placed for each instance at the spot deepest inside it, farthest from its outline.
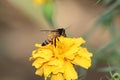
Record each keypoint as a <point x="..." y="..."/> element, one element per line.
<point x="48" y="30"/>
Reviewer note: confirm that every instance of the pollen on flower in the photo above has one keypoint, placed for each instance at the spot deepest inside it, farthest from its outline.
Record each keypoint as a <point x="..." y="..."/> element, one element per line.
<point x="57" y="62"/>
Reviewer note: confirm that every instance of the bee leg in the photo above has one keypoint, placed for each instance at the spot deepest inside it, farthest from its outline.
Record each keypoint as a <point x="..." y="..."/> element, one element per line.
<point x="55" y="42"/>
<point x="56" y="38"/>
<point x="43" y="44"/>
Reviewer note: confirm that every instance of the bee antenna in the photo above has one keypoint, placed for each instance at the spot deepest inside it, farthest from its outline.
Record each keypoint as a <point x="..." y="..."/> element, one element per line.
<point x="67" y="27"/>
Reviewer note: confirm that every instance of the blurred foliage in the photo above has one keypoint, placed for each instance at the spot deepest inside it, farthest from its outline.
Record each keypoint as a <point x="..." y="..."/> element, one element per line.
<point x="115" y="76"/>
<point x="42" y="13"/>
<point x="35" y="12"/>
<point x="48" y="12"/>
<point x="110" y="52"/>
<point x="109" y="14"/>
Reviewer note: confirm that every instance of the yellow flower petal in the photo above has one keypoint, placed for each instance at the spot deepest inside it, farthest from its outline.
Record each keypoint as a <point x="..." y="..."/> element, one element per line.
<point x="56" y="69"/>
<point x="46" y="53"/>
<point x="43" y="53"/>
<point x="58" y="76"/>
<point x="39" y="62"/>
<point x="58" y="61"/>
<point x="47" y="70"/>
<point x="70" y="54"/>
<point x="57" y="65"/>
<point x="82" y="61"/>
<point x="31" y="58"/>
<point x="71" y="41"/>
<point x="39" y="71"/>
<point x="38" y="2"/>
<point x="79" y="41"/>
<point x="84" y="53"/>
<point x="70" y="73"/>
<point x="38" y="45"/>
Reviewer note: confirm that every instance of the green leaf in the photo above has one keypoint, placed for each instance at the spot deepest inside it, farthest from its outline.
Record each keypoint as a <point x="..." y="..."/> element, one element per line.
<point x="107" y="1"/>
<point x="48" y="12"/>
<point x="98" y="1"/>
<point x="108" y="15"/>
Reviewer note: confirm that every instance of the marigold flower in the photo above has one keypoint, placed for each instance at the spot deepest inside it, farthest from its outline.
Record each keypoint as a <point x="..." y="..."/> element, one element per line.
<point x="38" y="2"/>
<point x="57" y="62"/>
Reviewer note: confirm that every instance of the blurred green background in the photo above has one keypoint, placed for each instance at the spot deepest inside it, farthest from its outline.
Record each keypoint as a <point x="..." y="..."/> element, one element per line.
<point x="97" y="21"/>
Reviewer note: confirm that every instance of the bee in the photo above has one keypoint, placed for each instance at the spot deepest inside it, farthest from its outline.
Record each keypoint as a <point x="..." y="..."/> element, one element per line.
<point x="53" y="36"/>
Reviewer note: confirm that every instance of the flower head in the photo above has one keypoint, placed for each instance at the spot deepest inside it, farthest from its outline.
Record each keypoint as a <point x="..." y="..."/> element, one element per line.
<point x="57" y="62"/>
<point x="38" y="2"/>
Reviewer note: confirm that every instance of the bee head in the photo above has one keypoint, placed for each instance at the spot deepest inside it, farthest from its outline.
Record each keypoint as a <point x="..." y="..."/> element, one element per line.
<point x="61" y="32"/>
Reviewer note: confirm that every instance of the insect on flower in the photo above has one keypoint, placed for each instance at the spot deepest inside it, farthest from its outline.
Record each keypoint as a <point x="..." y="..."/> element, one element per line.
<point x="57" y="55"/>
<point x="54" y="35"/>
